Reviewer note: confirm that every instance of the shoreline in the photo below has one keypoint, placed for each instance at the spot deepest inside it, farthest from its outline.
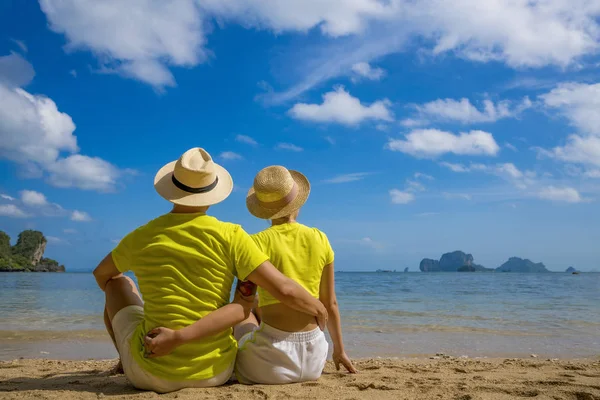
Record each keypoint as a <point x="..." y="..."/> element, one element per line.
<point x="380" y="379"/>
<point x="95" y="344"/>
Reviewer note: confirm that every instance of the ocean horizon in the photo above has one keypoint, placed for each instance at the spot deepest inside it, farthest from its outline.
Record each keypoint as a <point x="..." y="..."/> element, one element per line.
<point x="383" y="314"/>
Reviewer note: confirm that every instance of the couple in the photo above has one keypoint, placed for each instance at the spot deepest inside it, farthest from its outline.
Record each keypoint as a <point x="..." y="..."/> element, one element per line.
<point x="185" y="262"/>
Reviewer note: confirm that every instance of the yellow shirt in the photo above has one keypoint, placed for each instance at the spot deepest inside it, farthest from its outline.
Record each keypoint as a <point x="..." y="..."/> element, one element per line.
<point x="299" y="252"/>
<point x="185" y="266"/>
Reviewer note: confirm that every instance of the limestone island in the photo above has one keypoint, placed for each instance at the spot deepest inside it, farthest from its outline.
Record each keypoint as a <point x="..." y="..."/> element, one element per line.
<point x="27" y="255"/>
<point x="459" y="261"/>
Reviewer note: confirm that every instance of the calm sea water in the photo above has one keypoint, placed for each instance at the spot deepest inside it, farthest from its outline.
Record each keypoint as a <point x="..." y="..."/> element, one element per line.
<point x="383" y="314"/>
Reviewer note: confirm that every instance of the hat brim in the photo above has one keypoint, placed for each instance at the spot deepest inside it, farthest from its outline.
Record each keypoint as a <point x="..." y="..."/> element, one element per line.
<point x="163" y="183"/>
<point x="255" y="208"/>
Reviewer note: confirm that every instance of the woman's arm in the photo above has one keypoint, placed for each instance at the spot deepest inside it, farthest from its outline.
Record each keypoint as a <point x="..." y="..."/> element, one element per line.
<point x="288" y="291"/>
<point x="328" y="298"/>
<point x="162" y="341"/>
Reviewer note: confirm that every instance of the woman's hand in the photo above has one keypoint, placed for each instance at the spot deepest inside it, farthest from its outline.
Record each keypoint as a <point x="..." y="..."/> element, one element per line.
<point x="342" y="358"/>
<point x="161" y="341"/>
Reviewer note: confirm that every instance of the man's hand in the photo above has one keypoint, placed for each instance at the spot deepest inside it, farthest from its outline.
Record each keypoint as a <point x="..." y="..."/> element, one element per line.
<point x="342" y="358"/>
<point x="161" y="341"/>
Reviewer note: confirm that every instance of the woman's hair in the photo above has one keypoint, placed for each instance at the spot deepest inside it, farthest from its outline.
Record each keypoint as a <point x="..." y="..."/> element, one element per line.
<point x="288" y="217"/>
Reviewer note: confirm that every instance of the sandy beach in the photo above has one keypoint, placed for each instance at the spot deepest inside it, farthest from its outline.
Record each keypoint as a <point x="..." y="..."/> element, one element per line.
<point x="430" y="378"/>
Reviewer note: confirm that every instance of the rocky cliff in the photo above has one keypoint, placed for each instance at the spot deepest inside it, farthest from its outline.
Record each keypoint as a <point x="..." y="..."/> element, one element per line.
<point x="516" y="264"/>
<point x="27" y="255"/>
<point x="571" y="270"/>
<point x="451" y="262"/>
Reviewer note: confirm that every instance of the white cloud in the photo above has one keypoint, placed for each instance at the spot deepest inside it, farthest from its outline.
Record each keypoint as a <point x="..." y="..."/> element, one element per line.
<point x="364" y="70"/>
<point x="578" y="149"/>
<point x="32" y="198"/>
<point x="70" y="231"/>
<point x="427" y="214"/>
<point x="513" y="32"/>
<point x="420" y="175"/>
<point x="230" y="156"/>
<point x="401" y="197"/>
<point x="73" y="73"/>
<point x="414" y="186"/>
<point x="138" y="39"/>
<point x="353" y="177"/>
<point x="143" y="38"/>
<point x="289" y="147"/>
<point x="87" y="173"/>
<point x="15" y="71"/>
<point x="369" y="242"/>
<point x="12" y="211"/>
<point x="246" y="139"/>
<point x="455" y="167"/>
<point x="57" y="240"/>
<point x="579" y="102"/>
<point x="511" y="147"/>
<point x="21" y="45"/>
<point x="594" y="174"/>
<point x="340" y="107"/>
<point x="80" y="216"/>
<point x="434" y="142"/>
<point x="459" y="196"/>
<point x="462" y="111"/>
<point x="7" y="197"/>
<point x="34" y="134"/>
<point x="506" y="171"/>
<point x="330" y="140"/>
<point x="561" y="194"/>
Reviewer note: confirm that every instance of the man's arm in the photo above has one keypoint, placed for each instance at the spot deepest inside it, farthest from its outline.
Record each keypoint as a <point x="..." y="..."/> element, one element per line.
<point x="329" y="299"/>
<point x="105" y="271"/>
<point x="288" y="291"/>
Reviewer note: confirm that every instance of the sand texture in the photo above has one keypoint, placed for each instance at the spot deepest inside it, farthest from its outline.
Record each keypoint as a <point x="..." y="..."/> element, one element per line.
<point x="440" y="378"/>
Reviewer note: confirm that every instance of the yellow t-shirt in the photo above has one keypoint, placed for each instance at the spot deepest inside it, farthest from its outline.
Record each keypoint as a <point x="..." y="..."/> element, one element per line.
<point x="185" y="266"/>
<point x="299" y="252"/>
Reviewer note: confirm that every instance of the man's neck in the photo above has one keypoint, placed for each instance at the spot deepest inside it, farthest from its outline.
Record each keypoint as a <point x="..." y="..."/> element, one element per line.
<point x="179" y="209"/>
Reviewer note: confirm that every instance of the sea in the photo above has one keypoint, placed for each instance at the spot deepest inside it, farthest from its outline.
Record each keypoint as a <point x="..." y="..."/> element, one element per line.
<point x="405" y="315"/>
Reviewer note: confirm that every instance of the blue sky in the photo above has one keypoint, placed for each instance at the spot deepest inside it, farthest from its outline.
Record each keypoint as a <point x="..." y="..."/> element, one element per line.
<point x="423" y="127"/>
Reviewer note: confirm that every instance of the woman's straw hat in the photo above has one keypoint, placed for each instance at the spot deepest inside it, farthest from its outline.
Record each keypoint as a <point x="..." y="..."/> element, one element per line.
<point x="194" y="180"/>
<point x="277" y="192"/>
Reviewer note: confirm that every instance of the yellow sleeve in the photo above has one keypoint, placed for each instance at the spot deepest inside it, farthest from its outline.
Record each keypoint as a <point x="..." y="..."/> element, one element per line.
<point x="246" y="255"/>
<point x="121" y="254"/>
<point x="329" y="254"/>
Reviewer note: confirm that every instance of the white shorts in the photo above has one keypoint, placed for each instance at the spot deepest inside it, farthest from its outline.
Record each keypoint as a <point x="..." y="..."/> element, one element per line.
<point x="124" y="324"/>
<point x="270" y="356"/>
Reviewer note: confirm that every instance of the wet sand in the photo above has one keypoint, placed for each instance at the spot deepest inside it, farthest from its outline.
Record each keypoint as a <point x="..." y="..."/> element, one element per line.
<point x="440" y="377"/>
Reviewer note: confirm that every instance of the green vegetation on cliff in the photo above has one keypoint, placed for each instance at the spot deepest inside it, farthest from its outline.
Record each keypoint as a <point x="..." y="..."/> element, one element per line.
<point x="27" y="255"/>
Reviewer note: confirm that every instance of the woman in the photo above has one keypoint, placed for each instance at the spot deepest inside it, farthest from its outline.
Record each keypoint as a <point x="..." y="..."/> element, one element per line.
<point x="289" y="346"/>
<point x="185" y="262"/>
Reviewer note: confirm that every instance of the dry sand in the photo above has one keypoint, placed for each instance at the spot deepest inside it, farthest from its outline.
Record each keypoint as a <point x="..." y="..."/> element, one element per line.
<point x="442" y="378"/>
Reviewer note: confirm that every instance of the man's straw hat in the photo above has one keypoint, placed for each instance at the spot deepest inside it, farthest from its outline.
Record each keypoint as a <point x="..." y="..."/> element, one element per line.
<point x="194" y="180"/>
<point x="277" y="192"/>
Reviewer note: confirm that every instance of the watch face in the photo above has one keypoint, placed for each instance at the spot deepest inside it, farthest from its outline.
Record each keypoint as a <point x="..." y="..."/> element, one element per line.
<point x="246" y="288"/>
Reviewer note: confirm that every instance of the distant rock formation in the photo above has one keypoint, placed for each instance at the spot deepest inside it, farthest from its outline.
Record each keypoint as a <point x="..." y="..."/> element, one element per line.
<point x="516" y="264"/>
<point x="571" y="270"/>
<point x="429" y="265"/>
<point x="452" y="262"/>
<point x="27" y="255"/>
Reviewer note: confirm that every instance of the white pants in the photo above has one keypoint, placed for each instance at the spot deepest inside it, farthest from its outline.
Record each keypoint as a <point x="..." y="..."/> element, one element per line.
<point x="124" y="324"/>
<point x="270" y="356"/>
